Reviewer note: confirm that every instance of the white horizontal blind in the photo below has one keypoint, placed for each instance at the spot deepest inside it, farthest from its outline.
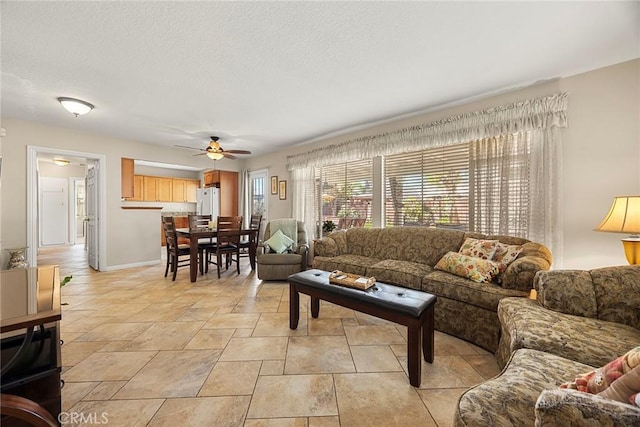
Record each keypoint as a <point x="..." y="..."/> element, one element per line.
<point x="429" y="187"/>
<point x="346" y="192"/>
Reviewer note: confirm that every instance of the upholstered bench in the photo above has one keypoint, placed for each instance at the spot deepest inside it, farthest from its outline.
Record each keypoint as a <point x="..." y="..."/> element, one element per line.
<point x="411" y="308"/>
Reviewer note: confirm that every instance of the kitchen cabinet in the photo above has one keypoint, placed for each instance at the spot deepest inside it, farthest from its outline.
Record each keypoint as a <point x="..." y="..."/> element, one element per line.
<point x="156" y="189"/>
<point x="137" y="189"/>
<point x="227" y="182"/>
<point x="184" y="190"/>
<point x="211" y="178"/>
<point x="127" y="178"/>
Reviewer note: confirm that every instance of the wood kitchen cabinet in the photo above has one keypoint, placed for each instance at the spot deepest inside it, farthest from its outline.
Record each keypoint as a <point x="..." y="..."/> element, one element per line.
<point x="127" y="178"/>
<point x="227" y="182"/>
<point x="156" y="189"/>
<point x="211" y="178"/>
<point x="185" y="190"/>
<point x="138" y="184"/>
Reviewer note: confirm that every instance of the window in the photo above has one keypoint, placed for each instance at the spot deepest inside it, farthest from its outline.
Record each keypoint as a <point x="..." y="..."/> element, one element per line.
<point x="345" y="192"/>
<point x="428" y="188"/>
<point x="258" y="188"/>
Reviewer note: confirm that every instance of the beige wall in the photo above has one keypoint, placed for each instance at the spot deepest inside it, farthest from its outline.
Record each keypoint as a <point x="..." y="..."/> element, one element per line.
<point x="601" y="159"/>
<point x="132" y="236"/>
<point x="601" y="154"/>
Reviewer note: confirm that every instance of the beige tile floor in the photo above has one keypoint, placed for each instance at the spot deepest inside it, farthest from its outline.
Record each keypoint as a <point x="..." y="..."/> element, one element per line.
<point x="146" y="351"/>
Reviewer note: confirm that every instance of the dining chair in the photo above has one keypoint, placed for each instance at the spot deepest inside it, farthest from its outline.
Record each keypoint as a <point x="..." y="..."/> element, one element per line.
<point x="174" y="250"/>
<point x="15" y="407"/>
<point x="206" y="244"/>
<point x="245" y="244"/>
<point x="228" y="242"/>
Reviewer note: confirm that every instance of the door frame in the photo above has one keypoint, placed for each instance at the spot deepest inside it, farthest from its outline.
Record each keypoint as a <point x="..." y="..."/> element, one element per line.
<point x="32" y="199"/>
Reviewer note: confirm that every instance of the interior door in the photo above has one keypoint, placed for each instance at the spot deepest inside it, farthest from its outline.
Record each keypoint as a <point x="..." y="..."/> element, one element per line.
<point x="53" y="211"/>
<point x="92" y="215"/>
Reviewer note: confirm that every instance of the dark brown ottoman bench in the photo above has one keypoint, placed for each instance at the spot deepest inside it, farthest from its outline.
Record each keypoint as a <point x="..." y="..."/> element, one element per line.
<point x="408" y="307"/>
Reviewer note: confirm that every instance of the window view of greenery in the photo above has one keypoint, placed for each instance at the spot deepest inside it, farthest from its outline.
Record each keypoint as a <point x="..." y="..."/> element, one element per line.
<point x="346" y="191"/>
<point x="257" y="195"/>
<point x="428" y="188"/>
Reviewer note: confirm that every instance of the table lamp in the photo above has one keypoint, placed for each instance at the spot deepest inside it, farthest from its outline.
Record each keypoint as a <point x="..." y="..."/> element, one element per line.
<point x="624" y="217"/>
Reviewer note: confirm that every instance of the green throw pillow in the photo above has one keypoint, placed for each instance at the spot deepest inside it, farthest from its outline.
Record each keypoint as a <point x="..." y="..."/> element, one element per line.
<point x="279" y="242"/>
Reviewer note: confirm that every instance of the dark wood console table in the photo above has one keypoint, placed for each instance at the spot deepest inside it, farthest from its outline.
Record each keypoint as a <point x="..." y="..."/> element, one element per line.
<point x="30" y="336"/>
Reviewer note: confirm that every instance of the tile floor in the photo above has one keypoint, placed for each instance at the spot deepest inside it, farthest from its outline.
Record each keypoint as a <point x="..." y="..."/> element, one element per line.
<point x="146" y="351"/>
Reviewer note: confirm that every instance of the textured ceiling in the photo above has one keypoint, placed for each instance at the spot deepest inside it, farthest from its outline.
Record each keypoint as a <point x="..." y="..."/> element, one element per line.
<point x="269" y="74"/>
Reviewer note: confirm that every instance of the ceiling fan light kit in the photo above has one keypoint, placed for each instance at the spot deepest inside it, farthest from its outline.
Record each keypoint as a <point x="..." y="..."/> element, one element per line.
<point x="75" y="106"/>
<point x="215" y="152"/>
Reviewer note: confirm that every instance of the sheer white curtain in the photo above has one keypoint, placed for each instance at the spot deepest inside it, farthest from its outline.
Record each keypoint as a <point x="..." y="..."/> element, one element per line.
<point x="245" y="205"/>
<point x="304" y="204"/>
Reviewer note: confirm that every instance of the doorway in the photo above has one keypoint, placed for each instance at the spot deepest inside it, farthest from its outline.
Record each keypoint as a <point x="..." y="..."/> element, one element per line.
<point x="96" y="244"/>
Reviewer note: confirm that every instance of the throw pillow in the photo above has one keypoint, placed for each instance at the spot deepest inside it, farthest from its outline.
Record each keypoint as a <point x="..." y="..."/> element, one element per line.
<point x="477" y="269"/>
<point x="478" y="248"/>
<point x="279" y="242"/>
<point x="624" y="388"/>
<point x="505" y="255"/>
<point x="600" y="380"/>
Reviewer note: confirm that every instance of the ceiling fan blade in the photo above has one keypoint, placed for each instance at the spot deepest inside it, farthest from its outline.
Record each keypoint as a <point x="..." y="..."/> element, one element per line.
<point x="229" y="156"/>
<point x="189" y="148"/>
<point x="200" y="154"/>
<point x="238" y="151"/>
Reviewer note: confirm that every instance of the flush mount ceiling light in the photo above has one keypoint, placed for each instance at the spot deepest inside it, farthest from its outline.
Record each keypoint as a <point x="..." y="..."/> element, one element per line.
<point x="61" y="162"/>
<point x="75" y="106"/>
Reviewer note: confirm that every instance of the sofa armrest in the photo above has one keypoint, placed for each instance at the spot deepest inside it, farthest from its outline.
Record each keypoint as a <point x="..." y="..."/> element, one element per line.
<point x="567" y="291"/>
<point x="563" y="407"/>
<point x="325" y="247"/>
<point x="520" y="273"/>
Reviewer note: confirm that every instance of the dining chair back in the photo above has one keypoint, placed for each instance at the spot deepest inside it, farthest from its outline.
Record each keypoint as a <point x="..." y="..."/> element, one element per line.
<point x="252" y="239"/>
<point x="205" y="245"/>
<point x="228" y="242"/>
<point x="174" y="250"/>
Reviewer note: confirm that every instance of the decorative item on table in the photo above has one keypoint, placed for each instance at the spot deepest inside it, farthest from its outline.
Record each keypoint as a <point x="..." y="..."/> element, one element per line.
<point x="337" y="277"/>
<point x="212" y="224"/>
<point x="17" y="258"/>
<point x="624" y="217"/>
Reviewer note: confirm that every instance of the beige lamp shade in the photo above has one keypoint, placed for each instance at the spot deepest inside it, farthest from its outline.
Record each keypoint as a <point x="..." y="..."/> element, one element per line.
<point x="624" y="217"/>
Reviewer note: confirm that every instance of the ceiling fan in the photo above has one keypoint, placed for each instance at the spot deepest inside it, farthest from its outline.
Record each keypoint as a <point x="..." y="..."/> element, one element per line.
<point x="215" y="151"/>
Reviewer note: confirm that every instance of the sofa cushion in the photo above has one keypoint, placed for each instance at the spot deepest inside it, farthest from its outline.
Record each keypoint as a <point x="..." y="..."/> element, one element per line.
<point x="280" y="259"/>
<point x="478" y="248"/>
<point x="566" y="291"/>
<point x="477" y="269"/>
<point x="526" y="324"/>
<point x="355" y="264"/>
<point x="405" y="273"/>
<point x="362" y="241"/>
<point x="617" y="291"/>
<point x="509" y="399"/>
<point x="485" y="295"/>
<point x="416" y="244"/>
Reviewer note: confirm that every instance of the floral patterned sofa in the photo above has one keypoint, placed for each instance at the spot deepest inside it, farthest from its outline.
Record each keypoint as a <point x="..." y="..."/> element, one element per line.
<point x="580" y="321"/>
<point x="406" y="256"/>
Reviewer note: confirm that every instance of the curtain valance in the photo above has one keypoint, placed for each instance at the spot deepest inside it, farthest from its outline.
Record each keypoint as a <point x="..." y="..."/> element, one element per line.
<point x="537" y="113"/>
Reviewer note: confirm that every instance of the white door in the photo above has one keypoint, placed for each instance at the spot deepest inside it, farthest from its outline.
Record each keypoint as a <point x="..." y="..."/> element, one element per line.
<point x="92" y="215"/>
<point x="53" y="211"/>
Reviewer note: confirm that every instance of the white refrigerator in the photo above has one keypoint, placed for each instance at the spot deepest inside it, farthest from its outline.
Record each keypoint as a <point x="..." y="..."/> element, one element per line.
<point x="208" y="202"/>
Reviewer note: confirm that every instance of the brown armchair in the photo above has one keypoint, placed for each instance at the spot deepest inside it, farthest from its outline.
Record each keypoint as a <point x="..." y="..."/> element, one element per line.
<point x="274" y="266"/>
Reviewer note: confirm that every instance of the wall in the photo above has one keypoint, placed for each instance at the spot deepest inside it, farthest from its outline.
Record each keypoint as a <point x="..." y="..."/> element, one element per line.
<point x="601" y="155"/>
<point x="133" y="236"/>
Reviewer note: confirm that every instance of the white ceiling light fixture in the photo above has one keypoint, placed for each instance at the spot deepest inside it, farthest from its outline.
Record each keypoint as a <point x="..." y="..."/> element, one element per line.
<point x="214" y="155"/>
<point x="61" y="162"/>
<point x="75" y="106"/>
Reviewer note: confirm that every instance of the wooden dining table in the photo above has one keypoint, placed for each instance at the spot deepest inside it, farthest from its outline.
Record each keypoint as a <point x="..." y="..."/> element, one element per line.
<point x="195" y="234"/>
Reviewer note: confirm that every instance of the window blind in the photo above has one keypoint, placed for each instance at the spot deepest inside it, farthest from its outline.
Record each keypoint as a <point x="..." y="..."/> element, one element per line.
<point x="428" y="188"/>
<point x="345" y="193"/>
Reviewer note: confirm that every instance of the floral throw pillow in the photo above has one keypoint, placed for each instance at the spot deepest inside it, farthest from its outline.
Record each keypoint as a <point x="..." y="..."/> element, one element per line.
<point x="478" y="248"/>
<point x="477" y="269"/>
<point x="505" y="255"/>
<point x="618" y="380"/>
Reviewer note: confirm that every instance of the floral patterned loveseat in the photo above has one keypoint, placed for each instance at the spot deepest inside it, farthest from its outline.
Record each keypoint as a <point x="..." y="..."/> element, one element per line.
<point x="406" y="256"/>
<point x="581" y="321"/>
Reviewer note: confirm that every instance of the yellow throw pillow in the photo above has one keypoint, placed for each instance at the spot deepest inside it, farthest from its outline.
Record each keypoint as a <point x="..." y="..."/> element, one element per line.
<point x="477" y="269"/>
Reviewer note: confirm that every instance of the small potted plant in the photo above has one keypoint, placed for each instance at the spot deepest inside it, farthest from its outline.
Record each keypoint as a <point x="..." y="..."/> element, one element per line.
<point x="328" y="226"/>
